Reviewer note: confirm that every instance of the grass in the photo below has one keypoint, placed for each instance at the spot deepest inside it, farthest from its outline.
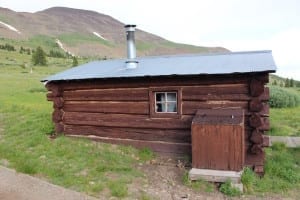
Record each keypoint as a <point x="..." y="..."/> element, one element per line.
<point x="198" y="185"/>
<point x="74" y="39"/>
<point x="78" y="164"/>
<point x="282" y="173"/>
<point x="284" y="121"/>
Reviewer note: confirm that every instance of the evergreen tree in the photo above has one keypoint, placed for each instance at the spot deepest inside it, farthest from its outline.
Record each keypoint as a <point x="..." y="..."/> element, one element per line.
<point x="275" y="82"/>
<point x="75" y="61"/>
<point x="287" y="82"/>
<point x="292" y="82"/>
<point x="39" y="57"/>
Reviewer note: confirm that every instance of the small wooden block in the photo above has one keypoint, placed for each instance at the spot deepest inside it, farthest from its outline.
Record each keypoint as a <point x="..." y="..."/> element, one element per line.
<point x="219" y="176"/>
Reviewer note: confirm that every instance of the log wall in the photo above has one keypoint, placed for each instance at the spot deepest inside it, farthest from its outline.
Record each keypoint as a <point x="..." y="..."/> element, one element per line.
<point x="118" y="110"/>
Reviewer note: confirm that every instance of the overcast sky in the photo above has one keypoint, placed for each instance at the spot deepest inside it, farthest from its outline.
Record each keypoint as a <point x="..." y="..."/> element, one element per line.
<point x="238" y="25"/>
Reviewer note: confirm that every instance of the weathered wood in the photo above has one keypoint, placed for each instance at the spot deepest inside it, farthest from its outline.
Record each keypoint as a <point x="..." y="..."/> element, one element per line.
<point x="255" y="120"/>
<point x="256" y="137"/>
<point x="58" y="102"/>
<point x="126" y="121"/>
<point x="266" y="141"/>
<point x="55" y="89"/>
<point x="254" y="159"/>
<point x="59" y="128"/>
<point x="107" y="107"/>
<point x="255" y="105"/>
<point x="218" y="147"/>
<point x="259" y="169"/>
<point x="157" y="81"/>
<point x="256" y="87"/>
<point x="266" y="124"/>
<point x="219" y="176"/>
<point x="191" y="107"/>
<point x="57" y="115"/>
<point x="173" y="135"/>
<point x="216" y="89"/>
<point x="256" y="149"/>
<point x="157" y="146"/>
<point x="125" y="94"/>
<point x="49" y="96"/>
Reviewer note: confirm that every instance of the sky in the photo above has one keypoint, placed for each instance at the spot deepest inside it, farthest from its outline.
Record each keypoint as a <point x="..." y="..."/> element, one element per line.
<point x="238" y="25"/>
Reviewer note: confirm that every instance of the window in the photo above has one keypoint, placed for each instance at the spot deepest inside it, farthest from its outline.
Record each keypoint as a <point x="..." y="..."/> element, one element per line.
<point x="165" y="102"/>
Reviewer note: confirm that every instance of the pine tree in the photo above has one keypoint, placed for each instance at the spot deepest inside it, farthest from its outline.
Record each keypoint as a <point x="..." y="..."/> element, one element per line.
<point x="291" y="82"/>
<point x="287" y="83"/>
<point x="39" y="57"/>
<point x="75" y="61"/>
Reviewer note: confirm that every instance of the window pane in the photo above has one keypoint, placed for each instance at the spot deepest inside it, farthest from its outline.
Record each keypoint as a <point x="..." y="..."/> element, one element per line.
<point x="158" y="107"/>
<point x="171" y="96"/>
<point x="172" y="107"/>
<point x="160" y="97"/>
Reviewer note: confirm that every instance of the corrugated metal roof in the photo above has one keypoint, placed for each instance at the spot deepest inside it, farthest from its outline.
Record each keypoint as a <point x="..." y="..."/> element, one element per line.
<point x="197" y="64"/>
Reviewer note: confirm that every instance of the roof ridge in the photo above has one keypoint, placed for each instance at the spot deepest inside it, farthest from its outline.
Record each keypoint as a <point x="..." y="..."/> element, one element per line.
<point x="206" y="54"/>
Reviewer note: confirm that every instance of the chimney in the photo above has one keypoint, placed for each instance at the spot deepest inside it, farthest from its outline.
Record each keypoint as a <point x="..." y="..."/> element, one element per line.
<point x="131" y="62"/>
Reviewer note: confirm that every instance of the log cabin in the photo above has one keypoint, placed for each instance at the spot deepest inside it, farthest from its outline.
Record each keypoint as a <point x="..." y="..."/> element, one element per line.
<point x="201" y="104"/>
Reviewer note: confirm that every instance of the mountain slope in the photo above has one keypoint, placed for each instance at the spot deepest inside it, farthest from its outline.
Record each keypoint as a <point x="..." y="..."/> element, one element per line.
<point x="86" y="33"/>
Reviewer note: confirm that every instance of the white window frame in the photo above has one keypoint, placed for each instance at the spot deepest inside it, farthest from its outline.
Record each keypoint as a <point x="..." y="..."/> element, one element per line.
<point x="166" y="101"/>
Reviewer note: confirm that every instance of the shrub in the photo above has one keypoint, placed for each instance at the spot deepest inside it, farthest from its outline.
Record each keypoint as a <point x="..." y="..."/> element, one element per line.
<point x="227" y="189"/>
<point x="282" y="98"/>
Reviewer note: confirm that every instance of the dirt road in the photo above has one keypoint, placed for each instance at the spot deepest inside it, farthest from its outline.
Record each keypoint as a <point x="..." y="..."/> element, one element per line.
<point x="17" y="186"/>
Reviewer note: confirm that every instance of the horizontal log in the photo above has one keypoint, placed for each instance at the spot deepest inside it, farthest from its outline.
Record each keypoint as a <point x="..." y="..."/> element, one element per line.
<point x="107" y="107"/>
<point x="179" y="136"/>
<point x="216" y="89"/>
<point x="49" y="96"/>
<point x="259" y="170"/>
<point x="157" y="146"/>
<point x="255" y="120"/>
<point x="158" y="81"/>
<point x="256" y="87"/>
<point x="58" y="102"/>
<point x="255" y="105"/>
<point x="191" y="107"/>
<point x="266" y="124"/>
<point x="256" y="149"/>
<point x="55" y="89"/>
<point x="266" y="141"/>
<point x="254" y="159"/>
<point x="57" y="115"/>
<point x="256" y="137"/>
<point x="126" y="121"/>
<point x="125" y="94"/>
<point x="59" y="128"/>
<point x="212" y="92"/>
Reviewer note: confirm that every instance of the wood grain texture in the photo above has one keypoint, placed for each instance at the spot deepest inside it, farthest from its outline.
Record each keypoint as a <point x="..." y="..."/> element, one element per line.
<point x="157" y="146"/>
<point x="124" y="94"/>
<point x="256" y="87"/>
<point x="191" y="107"/>
<point x="219" y="147"/>
<point x="118" y="107"/>
<point x="126" y="121"/>
<point x="168" y="135"/>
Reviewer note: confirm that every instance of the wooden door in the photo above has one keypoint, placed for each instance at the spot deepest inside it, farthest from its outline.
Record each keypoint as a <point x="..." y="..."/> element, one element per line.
<point x="218" y="140"/>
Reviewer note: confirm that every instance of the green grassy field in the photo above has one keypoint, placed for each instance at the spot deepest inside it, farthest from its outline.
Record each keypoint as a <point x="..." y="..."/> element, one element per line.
<point x="93" y="168"/>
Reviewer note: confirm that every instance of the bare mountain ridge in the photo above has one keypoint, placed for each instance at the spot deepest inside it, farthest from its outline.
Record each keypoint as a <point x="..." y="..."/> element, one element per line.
<point x="87" y="33"/>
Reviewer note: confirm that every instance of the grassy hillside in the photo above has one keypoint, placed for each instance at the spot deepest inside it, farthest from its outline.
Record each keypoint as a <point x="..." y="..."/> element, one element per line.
<point x="76" y="30"/>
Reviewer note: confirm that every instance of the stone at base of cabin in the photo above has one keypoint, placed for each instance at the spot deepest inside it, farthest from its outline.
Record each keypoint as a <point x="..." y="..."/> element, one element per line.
<point x="219" y="176"/>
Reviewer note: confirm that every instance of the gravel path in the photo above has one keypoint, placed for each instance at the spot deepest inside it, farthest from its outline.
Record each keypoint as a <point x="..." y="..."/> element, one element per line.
<point x="17" y="186"/>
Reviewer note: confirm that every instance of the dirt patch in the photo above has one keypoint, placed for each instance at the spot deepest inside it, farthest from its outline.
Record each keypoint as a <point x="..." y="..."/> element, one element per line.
<point x="164" y="181"/>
